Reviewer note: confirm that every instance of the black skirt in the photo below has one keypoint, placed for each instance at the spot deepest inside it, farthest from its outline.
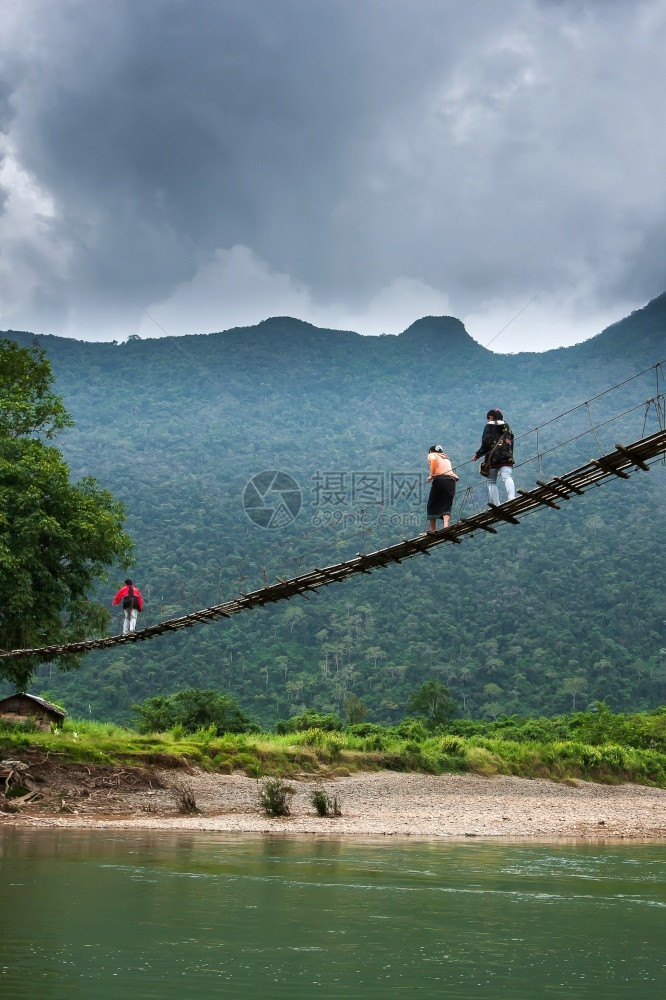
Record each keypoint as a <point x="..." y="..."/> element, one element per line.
<point x="442" y="492"/>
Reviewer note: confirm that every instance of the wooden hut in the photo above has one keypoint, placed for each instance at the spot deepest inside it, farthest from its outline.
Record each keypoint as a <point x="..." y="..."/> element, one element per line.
<point x="30" y="708"/>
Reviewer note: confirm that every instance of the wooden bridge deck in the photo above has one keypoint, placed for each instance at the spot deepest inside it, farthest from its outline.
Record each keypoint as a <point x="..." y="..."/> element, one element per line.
<point x="553" y="493"/>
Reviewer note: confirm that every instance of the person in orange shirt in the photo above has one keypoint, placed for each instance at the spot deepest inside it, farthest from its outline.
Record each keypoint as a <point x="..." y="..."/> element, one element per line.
<point x="443" y="488"/>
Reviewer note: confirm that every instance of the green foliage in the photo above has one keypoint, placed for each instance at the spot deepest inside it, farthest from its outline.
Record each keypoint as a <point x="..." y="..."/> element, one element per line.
<point x="191" y="711"/>
<point x="275" y="797"/>
<point x="310" y="720"/>
<point x="411" y="729"/>
<point x="325" y="804"/>
<point x="480" y="760"/>
<point x="57" y="539"/>
<point x="355" y="710"/>
<point x="28" y="406"/>
<point x="644" y="730"/>
<point x="434" y="703"/>
<point x="621" y="748"/>
<point x="157" y="715"/>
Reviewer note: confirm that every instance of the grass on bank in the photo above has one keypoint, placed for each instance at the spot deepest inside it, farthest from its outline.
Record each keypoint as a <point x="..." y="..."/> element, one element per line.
<point x="599" y="747"/>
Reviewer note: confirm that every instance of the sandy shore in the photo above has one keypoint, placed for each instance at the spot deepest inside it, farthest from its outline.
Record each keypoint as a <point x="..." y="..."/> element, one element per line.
<point x="372" y="804"/>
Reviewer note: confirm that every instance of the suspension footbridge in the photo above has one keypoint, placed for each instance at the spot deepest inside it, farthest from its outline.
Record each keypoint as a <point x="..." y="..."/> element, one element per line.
<point x="619" y="464"/>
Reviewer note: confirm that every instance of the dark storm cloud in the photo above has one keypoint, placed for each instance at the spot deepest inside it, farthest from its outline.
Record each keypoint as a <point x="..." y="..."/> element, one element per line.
<point x="329" y="154"/>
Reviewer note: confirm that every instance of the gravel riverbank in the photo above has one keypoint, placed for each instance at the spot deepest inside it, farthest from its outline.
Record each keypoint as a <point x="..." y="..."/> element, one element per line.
<point x="372" y="804"/>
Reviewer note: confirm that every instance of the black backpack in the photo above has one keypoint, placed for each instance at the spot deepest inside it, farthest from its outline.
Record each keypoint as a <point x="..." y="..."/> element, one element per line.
<point x="130" y="600"/>
<point x="503" y="449"/>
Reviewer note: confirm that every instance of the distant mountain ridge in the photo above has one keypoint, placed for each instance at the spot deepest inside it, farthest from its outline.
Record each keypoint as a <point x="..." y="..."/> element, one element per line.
<point x="645" y="326"/>
<point x="644" y="329"/>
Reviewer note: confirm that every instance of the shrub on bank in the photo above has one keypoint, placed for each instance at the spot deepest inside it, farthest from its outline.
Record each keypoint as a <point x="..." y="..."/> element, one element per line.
<point x="275" y="797"/>
<point x="308" y="721"/>
<point x="640" y="730"/>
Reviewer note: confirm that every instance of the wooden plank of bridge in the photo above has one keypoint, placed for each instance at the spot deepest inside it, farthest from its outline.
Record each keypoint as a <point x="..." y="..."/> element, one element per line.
<point x="608" y="466"/>
<point x="636" y="461"/>
<point x="479" y="524"/>
<point x="567" y="485"/>
<point x="503" y="515"/>
<point x="557" y="490"/>
<point x="542" y="499"/>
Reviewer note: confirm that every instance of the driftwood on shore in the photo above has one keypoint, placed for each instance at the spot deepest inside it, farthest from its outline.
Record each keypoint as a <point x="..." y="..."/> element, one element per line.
<point x="14" y="778"/>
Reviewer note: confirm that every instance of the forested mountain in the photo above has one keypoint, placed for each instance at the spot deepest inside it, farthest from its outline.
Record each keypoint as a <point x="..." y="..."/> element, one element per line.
<point x="562" y="610"/>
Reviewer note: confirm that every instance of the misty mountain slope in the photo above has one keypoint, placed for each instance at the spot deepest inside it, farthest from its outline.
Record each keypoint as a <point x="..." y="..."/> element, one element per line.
<point x="567" y="605"/>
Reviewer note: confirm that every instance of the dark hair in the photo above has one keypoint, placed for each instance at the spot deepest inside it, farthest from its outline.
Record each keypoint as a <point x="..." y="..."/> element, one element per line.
<point x="494" y="415"/>
<point x="128" y="581"/>
<point x="435" y="447"/>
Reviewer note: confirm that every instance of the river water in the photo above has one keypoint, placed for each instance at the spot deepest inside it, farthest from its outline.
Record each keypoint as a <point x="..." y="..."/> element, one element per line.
<point x="100" y="914"/>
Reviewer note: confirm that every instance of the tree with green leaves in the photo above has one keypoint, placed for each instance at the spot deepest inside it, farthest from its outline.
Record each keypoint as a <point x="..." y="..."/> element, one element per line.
<point x="310" y="719"/>
<point x="355" y="710"/>
<point x="193" y="709"/>
<point x="433" y="703"/>
<point x="57" y="538"/>
<point x="574" y="686"/>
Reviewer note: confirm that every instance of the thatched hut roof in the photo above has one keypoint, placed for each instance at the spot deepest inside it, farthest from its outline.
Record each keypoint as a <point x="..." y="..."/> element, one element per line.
<point x="17" y="701"/>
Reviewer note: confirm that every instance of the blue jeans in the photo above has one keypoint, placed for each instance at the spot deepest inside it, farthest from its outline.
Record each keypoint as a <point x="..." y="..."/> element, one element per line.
<point x="507" y="479"/>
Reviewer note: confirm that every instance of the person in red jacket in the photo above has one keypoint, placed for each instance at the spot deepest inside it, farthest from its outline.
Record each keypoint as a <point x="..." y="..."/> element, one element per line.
<point x="132" y="602"/>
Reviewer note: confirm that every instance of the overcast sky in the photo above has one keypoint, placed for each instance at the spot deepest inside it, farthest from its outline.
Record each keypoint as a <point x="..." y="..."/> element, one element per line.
<point x="186" y="166"/>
